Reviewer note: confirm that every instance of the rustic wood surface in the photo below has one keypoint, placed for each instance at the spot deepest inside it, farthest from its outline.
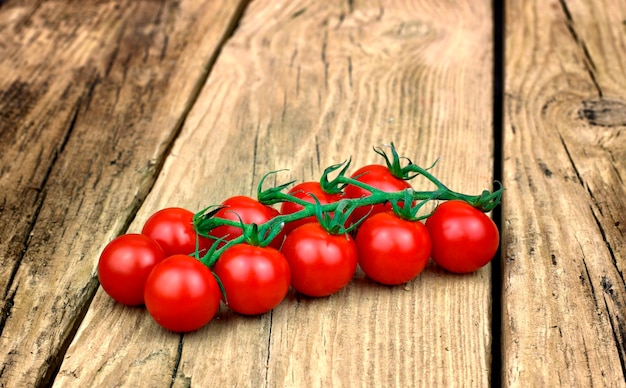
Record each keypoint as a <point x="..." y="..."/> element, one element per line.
<point x="564" y="302"/>
<point x="113" y="110"/>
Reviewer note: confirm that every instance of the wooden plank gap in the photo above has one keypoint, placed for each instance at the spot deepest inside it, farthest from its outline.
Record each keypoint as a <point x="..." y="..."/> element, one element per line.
<point x="498" y="93"/>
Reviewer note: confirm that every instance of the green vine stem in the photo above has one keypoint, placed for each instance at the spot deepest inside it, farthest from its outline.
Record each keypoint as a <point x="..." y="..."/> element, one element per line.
<point x="406" y="203"/>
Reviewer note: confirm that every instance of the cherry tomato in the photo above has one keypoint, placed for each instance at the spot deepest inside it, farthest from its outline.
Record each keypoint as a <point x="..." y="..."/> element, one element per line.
<point x="182" y="294"/>
<point x="376" y="176"/>
<point x="304" y="191"/>
<point x="392" y="250"/>
<point x="464" y="238"/>
<point x="321" y="263"/>
<point x="255" y="279"/>
<point x="125" y="264"/>
<point x="173" y="229"/>
<point x="250" y="211"/>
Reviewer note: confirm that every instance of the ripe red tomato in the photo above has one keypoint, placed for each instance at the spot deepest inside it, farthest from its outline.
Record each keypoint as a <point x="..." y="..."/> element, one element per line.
<point x="392" y="250"/>
<point x="376" y="176"/>
<point x="464" y="238"/>
<point x="321" y="263"/>
<point x="182" y="294"/>
<point x="173" y="229"/>
<point x="124" y="266"/>
<point x="304" y="191"/>
<point x="255" y="279"/>
<point x="250" y="211"/>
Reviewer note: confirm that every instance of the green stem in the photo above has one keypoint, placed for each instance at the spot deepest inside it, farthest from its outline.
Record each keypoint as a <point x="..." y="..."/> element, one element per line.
<point x="486" y="201"/>
<point x="412" y="202"/>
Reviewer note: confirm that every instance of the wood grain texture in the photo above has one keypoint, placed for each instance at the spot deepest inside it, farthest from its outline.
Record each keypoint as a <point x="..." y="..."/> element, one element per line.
<point x="91" y="96"/>
<point x="302" y="85"/>
<point x="564" y="303"/>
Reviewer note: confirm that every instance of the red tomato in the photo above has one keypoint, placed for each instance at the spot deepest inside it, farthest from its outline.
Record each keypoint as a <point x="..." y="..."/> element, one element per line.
<point x="376" y="176"/>
<point x="173" y="229"/>
<point x="250" y="211"/>
<point x="304" y="191"/>
<point x="255" y="279"/>
<point x="182" y="294"/>
<point x="464" y="238"/>
<point x="392" y="250"/>
<point x="124" y="266"/>
<point x="321" y="263"/>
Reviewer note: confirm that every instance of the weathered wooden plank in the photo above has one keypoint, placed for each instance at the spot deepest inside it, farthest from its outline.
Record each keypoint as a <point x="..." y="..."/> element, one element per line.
<point x="564" y="319"/>
<point x="92" y="95"/>
<point x="302" y="85"/>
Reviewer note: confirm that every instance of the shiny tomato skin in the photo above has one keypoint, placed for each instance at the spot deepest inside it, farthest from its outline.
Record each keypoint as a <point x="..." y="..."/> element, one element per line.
<point x="124" y="266"/>
<point x="392" y="250"/>
<point x="255" y="279"/>
<point x="464" y="238"/>
<point x="250" y="211"/>
<point x="173" y="229"/>
<point x="304" y="191"/>
<point x="321" y="263"/>
<point x="182" y="294"/>
<point x="377" y="176"/>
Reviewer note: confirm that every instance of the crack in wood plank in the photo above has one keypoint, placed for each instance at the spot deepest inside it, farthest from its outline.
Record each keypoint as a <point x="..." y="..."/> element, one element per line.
<point x="589" y="63"/>
<point x="8" y="304"/>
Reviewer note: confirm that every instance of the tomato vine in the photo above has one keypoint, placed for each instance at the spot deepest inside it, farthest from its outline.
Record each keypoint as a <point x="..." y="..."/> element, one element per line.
<point x="405" y="203"/>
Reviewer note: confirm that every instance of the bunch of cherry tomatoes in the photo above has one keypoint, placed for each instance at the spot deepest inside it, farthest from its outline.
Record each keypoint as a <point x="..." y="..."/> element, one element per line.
<point x="248" y="253"/>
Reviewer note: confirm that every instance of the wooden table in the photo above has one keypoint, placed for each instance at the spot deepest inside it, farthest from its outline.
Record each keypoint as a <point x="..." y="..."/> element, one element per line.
<point x="111" y="110"/>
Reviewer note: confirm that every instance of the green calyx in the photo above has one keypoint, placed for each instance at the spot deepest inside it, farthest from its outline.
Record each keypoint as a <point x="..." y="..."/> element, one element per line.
<point x="408" y="208"/>
<point x="395" y="164"/>
<point x="336" y="185"/>
<point x="335" y="222"/>
<point x="272" y="195"/>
